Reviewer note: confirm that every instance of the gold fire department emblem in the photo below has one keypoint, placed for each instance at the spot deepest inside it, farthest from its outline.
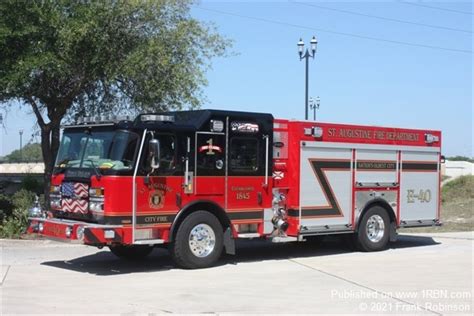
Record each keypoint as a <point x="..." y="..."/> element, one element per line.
<point x="157" y="199"/>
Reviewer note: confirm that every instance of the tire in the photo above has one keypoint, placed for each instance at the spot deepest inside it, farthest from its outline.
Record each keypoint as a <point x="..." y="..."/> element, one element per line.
<point x="131" y="252"/>
<point x="190" y="252"/>
<point x="374" y="230"/>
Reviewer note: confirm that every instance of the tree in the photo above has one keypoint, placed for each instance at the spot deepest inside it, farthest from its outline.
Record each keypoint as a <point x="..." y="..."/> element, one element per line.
<point x="460" y="158"/>
<point x="29" y="152"/>
<point x="65" y="58"/>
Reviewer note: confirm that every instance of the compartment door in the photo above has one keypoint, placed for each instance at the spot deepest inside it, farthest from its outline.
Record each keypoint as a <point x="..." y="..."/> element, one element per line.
<point x="325" y="186"/>
<point x="419" y="186"/>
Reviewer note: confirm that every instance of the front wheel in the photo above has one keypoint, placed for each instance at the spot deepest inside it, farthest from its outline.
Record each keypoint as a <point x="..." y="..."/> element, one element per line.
<point x="374" y="230"/>
<point x="134" y="252"/>
<point x="198" y="242"/>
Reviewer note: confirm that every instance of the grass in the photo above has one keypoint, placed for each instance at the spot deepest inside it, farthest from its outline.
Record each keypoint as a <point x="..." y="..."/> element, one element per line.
<point x="445" y="177"/>
<point x="457" y="206"/>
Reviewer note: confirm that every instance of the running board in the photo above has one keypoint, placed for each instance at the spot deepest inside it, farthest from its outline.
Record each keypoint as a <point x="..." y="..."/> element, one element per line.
<point x="249" y="235"/>
<point x="325" y="230"/>
<point x="278" y="239"/>
<point x="149" y="242"/>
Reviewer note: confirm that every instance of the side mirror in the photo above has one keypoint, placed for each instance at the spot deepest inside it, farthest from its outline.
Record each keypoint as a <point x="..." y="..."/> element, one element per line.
<point x="154" y="151"/>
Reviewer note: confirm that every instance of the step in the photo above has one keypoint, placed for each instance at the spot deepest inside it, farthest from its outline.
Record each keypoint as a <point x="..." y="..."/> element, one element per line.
<point x="149" y="242"/>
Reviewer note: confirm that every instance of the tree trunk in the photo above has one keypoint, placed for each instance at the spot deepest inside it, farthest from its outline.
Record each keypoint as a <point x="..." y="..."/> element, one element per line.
<point x="48" y="161"/>
<point x="49" y="140"/>
<point x="49" y="145"/>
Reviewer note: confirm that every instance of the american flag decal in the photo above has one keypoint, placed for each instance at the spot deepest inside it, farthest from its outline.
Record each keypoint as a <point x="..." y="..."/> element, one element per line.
<point x="74" y="197"/>
<point x="75" y="189"/>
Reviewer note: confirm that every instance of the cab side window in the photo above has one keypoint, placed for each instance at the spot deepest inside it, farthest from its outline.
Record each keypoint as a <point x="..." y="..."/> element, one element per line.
<point x="168" y="157"/>
<point x="244" y="154"/>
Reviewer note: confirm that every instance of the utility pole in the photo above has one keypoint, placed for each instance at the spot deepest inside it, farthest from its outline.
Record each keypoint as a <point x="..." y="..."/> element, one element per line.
<point x="21" y="144"/>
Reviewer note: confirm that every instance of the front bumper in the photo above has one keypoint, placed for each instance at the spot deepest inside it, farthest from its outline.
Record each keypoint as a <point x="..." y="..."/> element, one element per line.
<point x="79" y="232"/>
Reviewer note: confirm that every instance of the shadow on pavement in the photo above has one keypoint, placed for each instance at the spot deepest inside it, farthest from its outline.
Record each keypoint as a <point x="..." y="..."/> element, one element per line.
<point x="104" y="263"/>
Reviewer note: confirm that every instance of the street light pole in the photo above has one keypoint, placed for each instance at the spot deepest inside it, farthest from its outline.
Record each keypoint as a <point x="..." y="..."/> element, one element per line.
<point x="307" y="54"/>
<point x="314" y="105"/>
<point x="21" y="144"/>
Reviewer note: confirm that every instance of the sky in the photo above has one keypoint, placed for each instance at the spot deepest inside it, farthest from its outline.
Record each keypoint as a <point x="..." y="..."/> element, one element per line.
<point x="385" y="63"/>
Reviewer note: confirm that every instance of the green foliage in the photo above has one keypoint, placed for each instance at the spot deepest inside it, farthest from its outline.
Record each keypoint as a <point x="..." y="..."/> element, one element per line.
<point x="16" y="223"/>
<point x="460" y="189"/>
<point x="29" y="152"/>
<point x="460" y="158"/>
<point x="31" y="183"/>
<point x="23" y="199"/>
<point x="6" y="207"/>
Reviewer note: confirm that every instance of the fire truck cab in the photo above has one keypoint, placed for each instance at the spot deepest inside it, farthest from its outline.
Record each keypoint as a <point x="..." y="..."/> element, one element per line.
<point x="197" y="180"/>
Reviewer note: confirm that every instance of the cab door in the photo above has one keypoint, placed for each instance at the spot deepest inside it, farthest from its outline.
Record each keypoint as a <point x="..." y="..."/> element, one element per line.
<point x="247" y="191"/>
<point x="210" y="163"/>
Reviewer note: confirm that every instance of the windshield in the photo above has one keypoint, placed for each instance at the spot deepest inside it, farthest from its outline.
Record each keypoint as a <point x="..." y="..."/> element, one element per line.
<point x="97" y="149"/>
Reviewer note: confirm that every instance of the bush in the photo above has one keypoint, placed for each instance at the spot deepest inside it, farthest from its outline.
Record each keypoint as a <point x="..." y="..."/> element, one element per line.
<point x="6" y="207"/>
<point x="30" y="183"/>
<point x="15" y="225"/>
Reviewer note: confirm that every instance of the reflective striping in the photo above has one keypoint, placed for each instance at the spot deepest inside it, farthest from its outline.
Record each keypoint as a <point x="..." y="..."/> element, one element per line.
<point x="163" y="219"/>
<point x="141" y="220"/>
<point x="419" y="166"/>
<point x="89" y="237"/>
<point x="314" y="212"/>
<point x="245" y="215"/>
<point x="319" y="167"/>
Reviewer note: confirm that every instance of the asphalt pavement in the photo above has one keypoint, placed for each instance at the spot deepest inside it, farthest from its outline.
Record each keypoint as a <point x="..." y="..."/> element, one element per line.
<point x="420" y="274"/>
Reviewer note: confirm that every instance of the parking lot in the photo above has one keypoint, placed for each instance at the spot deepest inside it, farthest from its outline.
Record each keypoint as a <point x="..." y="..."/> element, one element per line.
<point x="421" y="273"/>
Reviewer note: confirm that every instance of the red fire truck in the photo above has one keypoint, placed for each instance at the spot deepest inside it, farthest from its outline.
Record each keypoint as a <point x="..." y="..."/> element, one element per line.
<point x="198" y="180"/>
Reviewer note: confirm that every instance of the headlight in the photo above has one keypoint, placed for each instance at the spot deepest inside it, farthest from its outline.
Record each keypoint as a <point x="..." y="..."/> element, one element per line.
<point x="96" y="192"/>
<point x="55" y="203"/>
<point x="55" y="189"/>
<point x="96" y="205"/>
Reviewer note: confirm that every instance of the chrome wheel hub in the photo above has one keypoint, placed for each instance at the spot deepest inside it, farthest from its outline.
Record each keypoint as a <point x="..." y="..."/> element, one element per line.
<point x="202" y="240"/>
<point x="375" y="228"/>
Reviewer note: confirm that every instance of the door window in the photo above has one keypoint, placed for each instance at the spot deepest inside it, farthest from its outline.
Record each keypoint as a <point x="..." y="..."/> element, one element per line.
<point x="210" y="154"/>
<point x="244" y="154"/>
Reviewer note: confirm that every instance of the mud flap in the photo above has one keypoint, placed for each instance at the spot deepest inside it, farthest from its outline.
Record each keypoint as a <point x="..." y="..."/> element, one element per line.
<point x="229" y="242"/>
<point x="393" y="232"/>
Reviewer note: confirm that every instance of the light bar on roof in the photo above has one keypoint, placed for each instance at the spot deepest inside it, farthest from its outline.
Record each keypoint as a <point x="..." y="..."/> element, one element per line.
<point x="157" y="118"/>
<point x="103" y="119"/>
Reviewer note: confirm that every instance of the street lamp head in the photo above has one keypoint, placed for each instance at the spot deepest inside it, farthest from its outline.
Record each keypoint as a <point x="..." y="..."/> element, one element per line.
<point x="318" y="101"/>
<point x="300" y="46"/>
<point x="314" y="42"/>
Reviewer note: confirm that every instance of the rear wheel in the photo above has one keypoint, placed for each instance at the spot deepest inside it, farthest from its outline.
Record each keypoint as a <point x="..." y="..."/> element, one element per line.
<point x="134" y="252"/>
<point x="374" y="230"/>
<point x="198" y="242"/>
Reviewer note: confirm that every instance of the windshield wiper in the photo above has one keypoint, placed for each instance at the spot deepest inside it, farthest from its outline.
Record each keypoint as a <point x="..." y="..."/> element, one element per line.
<point x="65" y="161"/>
<point x="96" y="170"/>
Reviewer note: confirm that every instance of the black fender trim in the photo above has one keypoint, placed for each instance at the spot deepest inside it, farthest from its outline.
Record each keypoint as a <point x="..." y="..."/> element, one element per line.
<point x="390" y="212"/>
